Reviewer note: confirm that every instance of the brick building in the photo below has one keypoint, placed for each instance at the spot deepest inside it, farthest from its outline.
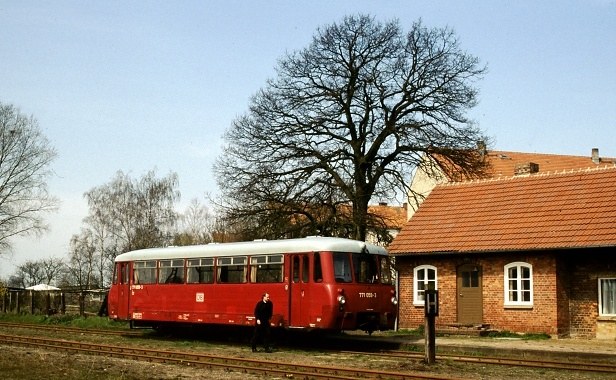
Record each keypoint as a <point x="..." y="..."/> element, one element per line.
<point x="532" y="252"/>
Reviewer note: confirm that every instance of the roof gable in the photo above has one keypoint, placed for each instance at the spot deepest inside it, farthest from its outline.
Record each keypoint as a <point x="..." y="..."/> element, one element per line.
<point x="542" y="211"/>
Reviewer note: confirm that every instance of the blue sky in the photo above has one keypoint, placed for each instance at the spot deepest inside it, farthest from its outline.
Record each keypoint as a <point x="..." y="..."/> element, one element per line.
<point x="140" y="85"/>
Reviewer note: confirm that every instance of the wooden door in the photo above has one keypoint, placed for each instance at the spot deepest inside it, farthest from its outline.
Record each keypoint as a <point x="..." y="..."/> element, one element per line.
<point x="470" y="300"/>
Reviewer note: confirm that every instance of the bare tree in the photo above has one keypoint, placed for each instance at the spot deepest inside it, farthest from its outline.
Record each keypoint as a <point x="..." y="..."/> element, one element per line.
<point x="82" y="265"/>
<point x="52" y="268"/>
<point x="25" y="158"/>
<point x="29" y="273"/>
<point x="128" y="214"/>
<point x="195" y="225"/>
<point x="347" y="120"/>
<point x="99" y="230"/>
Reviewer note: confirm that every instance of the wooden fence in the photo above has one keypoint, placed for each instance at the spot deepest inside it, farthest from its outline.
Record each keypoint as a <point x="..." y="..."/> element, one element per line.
<point x="69" y="301"/>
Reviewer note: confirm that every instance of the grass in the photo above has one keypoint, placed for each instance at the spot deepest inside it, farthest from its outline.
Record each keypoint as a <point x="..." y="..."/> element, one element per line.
<point x="69" y="320"/>
<point x="526" y="336"/>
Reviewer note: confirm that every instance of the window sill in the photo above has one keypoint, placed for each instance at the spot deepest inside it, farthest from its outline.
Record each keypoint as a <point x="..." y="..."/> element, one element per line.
<point x="607" y="318"/>
<point x="530" y="306"/>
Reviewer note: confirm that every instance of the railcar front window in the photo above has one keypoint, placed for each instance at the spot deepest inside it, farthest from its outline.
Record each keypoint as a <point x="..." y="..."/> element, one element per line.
<point x="342" y="267"/>
<point x="385" y="270"/>
<point x="115" y="274"/>
<point x="144" y="272"/>
<point x="200" y="271"/>
<point x="232" y="270"/>
<point x="171" y="271"/>
<point x="365" y="268"/>
<point x="266" y="268"/>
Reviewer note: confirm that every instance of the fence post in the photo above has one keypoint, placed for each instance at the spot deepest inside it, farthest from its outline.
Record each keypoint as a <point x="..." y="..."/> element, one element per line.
<point x="62" y="303"/>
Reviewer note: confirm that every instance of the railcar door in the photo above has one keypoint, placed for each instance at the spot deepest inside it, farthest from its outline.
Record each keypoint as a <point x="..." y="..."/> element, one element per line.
<point x="299" y="291"/>
<point x="123" y="290"/>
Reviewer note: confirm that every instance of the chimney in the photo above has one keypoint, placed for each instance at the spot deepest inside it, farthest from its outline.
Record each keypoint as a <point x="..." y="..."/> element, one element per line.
<point x="595" y="156"/>
<point x="526" y="168"/>
<point x="482" y="148"/>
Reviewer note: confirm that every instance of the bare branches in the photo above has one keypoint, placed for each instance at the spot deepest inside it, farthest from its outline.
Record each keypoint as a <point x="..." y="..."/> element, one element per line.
<point x="124" y="214"/>
<point x="348" y="118"/>
<point x="25" y="158"/>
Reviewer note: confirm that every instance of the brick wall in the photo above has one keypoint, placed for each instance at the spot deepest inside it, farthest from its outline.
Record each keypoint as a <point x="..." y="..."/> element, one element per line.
<point x="542" y="317"/>
<point x="565" y="290"/>
<point x="583" y="308"/>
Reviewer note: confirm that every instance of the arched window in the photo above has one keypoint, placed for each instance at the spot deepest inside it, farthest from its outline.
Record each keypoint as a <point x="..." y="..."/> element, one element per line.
<point x="424" y="277"/>
<point x="519" y="284"/>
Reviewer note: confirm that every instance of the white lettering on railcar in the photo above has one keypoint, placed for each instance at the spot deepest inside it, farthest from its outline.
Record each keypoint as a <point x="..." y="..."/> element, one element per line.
<point x="200" y="297"/>
<point x="367" y="295"/>
<point x="137" y="315"/>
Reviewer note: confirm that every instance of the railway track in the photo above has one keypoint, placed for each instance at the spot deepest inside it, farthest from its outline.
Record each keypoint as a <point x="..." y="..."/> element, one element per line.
<point x="306" y="372"/>
<point x="267" y="368"/>
<point x="65" y="329"/>
<point x="521" y="362"/>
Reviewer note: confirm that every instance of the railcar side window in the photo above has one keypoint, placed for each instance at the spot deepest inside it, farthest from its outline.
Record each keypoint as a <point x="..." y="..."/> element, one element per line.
<point x="232" y="270"/>
<point x="144" y="272"/>
<point x="318" y="271"/>
<point x="295" y="269"/>
<point x="266" y="268"/>
<point x="385" y="270"/>
<point x="305" y="262"/>
<point x="200" y="271"/>
<point x="342" y="267"/>
<point x="365" y="268"/>
<point x="171" y="271"/>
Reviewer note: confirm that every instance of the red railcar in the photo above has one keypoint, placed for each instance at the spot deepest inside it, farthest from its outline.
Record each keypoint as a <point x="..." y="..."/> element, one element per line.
<point x="314" y="283"/>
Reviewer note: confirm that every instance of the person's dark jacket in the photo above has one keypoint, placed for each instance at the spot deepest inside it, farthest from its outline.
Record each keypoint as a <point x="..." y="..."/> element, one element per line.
<point x="263" y="311"/>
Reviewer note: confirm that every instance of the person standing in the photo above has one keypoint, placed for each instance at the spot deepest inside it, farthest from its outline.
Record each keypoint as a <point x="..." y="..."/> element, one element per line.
<point x="263" y="314"/>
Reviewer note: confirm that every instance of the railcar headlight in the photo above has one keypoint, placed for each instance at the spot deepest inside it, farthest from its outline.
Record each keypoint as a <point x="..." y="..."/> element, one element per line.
<point x="341" y="300"/>
<point x="394" y="301"/>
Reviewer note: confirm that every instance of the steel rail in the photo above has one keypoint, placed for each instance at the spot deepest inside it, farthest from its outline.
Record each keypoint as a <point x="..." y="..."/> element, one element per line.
<point x="525" y="362"/>
<point x="521" y="362"/>
<point x="243" y="365"/>
<point x="37" y="326"/>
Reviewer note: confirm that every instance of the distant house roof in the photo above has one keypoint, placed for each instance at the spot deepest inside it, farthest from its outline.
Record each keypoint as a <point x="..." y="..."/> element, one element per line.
<point x="571" y="209"/>
<point x="505" y="164"/>
<point x="394" y="217"/>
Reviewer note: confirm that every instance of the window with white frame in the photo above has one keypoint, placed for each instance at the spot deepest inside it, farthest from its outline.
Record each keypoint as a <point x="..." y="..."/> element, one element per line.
<point x="519" y="284"/>
<point x="424" y="277"/>
<point x="607" y="297"/>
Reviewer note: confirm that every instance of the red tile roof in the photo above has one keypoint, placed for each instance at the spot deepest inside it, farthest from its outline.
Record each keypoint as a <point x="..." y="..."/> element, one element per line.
<point x="503" y="163"/>
<point x="394" y="217"/>
<point x="571" y="209"/>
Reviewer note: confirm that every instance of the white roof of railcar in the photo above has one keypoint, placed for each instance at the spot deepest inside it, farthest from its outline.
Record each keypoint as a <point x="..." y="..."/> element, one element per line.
<point x="257" y="247"/>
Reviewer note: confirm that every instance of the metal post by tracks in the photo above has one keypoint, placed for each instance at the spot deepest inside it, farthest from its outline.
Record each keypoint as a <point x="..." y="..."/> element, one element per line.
<point x="431" y="312"/>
